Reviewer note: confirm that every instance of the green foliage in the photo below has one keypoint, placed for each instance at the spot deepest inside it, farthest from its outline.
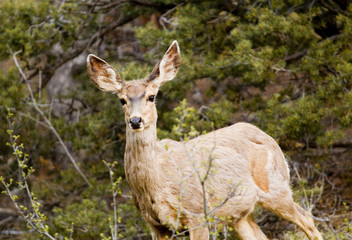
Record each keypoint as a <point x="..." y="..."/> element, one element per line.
<point x="133" y="70"/>
<point x="183" y="119"/>
<point x="31" y="213"/>
<point x="283" y="65"/>
<point x="345" y="231"/>
<point x="24" y="30"/>
<point x="249" y="49"/>
<point x="14" y="89"/>
<point x="34" y="26"/>
<point x="87" y="219"/>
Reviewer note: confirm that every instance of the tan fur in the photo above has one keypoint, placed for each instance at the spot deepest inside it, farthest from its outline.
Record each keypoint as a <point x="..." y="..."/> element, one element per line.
<point x="247" y="167"/>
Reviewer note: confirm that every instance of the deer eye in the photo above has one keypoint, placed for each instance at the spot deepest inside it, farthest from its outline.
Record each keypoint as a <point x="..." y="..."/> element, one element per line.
<point x="151" y="98"/>
<point x="122" y="101"/>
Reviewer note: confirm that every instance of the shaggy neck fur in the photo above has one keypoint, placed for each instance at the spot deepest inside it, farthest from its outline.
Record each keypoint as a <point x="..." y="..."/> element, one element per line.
<point x="141" y="166"/>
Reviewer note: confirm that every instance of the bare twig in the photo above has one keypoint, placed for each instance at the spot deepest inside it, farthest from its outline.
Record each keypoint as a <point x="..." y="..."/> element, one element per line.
<point x="163" y="19"/>
<point x="47" y="121"/>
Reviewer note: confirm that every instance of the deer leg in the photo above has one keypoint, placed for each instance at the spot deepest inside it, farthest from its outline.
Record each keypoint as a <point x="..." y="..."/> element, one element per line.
<point x="201" y="233"/>
<point x="305" y="222"/>
<point x="247" y="229"/>
<point x="256" y="229"/>
<point x="244" y="230"/>
<point x="291" y="211"/>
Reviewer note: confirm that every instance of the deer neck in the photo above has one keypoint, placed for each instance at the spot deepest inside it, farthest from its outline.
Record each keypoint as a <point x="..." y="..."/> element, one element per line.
<point x="140" y="141"/>
<point x="141" y="167"/>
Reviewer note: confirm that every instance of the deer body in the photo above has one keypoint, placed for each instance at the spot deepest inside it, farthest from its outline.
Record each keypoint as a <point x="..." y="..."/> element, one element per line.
<point x="222" y="174"/>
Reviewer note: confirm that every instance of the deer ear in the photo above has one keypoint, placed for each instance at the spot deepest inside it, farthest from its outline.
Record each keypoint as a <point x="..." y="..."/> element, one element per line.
<point x="103" y="75"/>
<point x="167" y="68"/>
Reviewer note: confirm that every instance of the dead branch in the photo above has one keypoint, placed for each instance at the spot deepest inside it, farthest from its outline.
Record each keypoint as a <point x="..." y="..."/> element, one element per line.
<point x="48" y="122"/>
<point x="80" y="46"/>
<point x="304" y="52"/>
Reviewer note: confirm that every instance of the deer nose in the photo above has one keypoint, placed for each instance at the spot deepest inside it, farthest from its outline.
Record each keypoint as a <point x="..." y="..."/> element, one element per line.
<point x="135" y="122"/>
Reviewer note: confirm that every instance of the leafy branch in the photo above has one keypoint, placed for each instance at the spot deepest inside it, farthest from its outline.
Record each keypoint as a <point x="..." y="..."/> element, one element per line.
<point x="115" y="190"/>
<point x="34" y="218"/>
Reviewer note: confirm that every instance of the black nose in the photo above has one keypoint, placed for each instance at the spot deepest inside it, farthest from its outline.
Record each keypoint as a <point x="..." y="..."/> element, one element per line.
<point x="135" y="122"/>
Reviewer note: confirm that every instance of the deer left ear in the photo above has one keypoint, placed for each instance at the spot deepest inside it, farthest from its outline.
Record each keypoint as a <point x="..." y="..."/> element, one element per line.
<point x="167" y="68"/>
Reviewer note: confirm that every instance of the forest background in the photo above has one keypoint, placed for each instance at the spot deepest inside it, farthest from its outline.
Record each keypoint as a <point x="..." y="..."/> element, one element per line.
<point x="285" y="66"/>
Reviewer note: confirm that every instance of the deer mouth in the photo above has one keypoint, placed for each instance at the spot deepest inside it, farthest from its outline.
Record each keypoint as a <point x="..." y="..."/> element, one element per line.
<point x="136" y="128"/>
<point x="140" y="129"/>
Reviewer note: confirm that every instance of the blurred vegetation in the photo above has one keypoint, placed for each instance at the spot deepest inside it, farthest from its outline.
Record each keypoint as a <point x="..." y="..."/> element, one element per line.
<point x="285" y="66"/>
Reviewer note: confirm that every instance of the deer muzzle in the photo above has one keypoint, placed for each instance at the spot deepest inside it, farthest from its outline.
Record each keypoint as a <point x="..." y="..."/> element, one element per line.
<point x="136" y="122"/>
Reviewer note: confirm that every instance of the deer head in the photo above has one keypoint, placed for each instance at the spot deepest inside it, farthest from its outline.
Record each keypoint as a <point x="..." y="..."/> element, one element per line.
<point x="138" y="96"/>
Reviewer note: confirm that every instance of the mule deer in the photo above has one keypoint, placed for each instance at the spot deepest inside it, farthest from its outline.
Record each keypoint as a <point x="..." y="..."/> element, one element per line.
<point x="241" y="155"/>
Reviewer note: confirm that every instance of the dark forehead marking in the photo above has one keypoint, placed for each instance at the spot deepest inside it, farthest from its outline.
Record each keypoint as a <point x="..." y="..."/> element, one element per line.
<point x="136" y="91"/>
<point x="135" y="98"/>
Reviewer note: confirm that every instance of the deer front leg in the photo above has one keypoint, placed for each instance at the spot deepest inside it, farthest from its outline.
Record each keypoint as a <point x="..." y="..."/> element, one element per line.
<point x="201" y="233"/>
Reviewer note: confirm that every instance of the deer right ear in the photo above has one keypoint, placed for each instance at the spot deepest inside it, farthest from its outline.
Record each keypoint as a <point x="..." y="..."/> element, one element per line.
<point x="103" y="75"/>
<point x="167" y="68"/>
